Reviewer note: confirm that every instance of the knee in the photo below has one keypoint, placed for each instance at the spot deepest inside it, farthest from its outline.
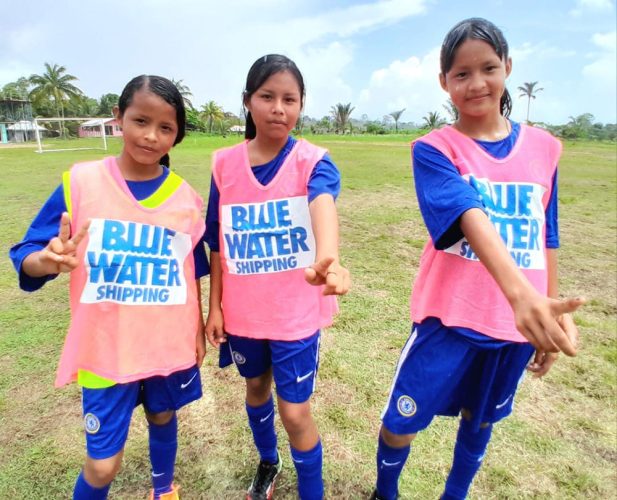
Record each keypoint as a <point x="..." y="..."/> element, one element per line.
<point x="296" y="417"/>
<point x="259" y="389"/>
<point x="162" y="418"/>
<point x="99" y="473"/>
<point x="396" y="440"/>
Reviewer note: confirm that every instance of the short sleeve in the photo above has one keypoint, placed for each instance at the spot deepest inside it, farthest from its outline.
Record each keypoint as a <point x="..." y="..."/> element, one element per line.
<point x="443" y="195"/>
<point x="325" y="179"/>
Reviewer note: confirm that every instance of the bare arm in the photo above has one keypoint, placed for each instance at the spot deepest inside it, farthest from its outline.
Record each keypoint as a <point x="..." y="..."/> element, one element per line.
<point x="200" y="352"/>
<point x="326" y="270"/>
<point x="215" y="329"/>
<point x="537" y="317"/>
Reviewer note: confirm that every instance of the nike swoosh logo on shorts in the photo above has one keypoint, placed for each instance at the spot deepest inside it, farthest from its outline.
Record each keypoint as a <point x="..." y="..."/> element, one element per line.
<point x="390" y="464"/>
<point x="501" y="405"/>
<point x="184" y="386"/>
<point x="159" y="474"/>
<point x="262" y="420"/>
<point x="303" y="377"/>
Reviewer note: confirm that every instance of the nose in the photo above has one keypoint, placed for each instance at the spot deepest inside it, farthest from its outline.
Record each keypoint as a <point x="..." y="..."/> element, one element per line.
<point x="477" y="82"/>
<point x="277" y="106"/>
<point x="150" y="134"/>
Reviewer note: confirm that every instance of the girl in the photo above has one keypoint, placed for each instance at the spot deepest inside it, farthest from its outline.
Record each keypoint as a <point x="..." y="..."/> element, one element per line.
<point x="136" y="333"/>
<point x="487" y="191"/>
<point x="273" y="231"/>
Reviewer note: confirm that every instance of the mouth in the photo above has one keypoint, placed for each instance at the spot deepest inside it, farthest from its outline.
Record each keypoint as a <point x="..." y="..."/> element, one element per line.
<point x="147" y="149"/>
<point x="277" y="122"/>
<point x="478" y="97"/>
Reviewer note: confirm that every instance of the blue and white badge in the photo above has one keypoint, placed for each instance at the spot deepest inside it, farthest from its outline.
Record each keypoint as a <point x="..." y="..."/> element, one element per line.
<point x="91" y="423"/>
<point x="406" y="406"/>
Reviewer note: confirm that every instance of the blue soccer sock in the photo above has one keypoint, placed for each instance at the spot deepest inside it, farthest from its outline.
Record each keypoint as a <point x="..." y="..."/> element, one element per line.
<point x="84" y="491"/>
<point x="261" y="421"/>
<point x="309" y="470"/>
<point x="468" y="454"/>
<point x="390" y="463"/>
<point x="163" y="448"/>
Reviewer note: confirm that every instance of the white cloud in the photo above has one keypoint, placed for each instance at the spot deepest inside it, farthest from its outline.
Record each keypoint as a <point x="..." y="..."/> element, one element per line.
<point x="412" y="84"/>
<point x="583" y="6"/>
<point x="541" y="50"/>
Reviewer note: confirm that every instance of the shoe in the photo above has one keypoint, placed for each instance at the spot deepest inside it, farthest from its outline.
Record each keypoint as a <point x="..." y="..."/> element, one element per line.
<point x="172" y="495"/>
<point x="262" y="487"/>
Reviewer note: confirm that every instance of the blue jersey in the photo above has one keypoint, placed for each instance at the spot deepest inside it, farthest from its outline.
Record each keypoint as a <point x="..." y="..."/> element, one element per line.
<point x="45" y="226"/>
<point x="325" y="179"/>
<point x="445" y="195"/>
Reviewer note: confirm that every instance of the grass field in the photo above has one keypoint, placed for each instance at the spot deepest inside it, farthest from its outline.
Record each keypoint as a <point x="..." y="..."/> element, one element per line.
<point x="561" y="441"/>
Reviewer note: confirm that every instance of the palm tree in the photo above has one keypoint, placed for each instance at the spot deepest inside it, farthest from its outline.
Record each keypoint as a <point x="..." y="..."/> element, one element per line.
<point x="529" y="89"/>
<point x="185" y="92"/>
<point x="55" y="85"/>
<point x="211" y="112"/>
<point x="341" y="113"/>
<point x="451" y="110"/>
<point x="397" y="115"/>
<point x="433" y="120"/>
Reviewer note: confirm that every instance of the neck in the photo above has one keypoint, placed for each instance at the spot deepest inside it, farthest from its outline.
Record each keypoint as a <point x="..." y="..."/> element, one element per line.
<point x="492" y="127"/>
<point x="263" y="150"/>
<point x="133" y="171"/>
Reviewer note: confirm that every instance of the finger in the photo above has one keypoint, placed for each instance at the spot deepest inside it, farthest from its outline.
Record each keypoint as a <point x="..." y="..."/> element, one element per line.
<point x="56" y="245"/>
<point x="64" y="232"/>
<point x="321" y="267"/>
<point x="221" y="336"/>
<point x="80" y="234"/>
<point x="311" y="276"/>
<point x="567" y="324"/>
<point x="560" y="307"/>
<point x="48" y="255"/>
<point x="559" y="338"/>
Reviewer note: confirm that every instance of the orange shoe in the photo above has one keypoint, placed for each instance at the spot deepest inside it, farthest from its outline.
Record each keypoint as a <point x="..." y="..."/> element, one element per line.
<point x="172" y="495"/>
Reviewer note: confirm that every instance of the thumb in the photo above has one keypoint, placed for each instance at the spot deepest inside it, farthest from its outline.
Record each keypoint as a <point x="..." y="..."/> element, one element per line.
<point x="567" y="305"/>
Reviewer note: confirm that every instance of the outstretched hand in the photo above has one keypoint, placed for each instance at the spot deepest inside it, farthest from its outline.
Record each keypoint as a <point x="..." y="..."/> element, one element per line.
<point x="548" y="325"/>
<point x="60" y="254"/>
<point x="329" y="273"/>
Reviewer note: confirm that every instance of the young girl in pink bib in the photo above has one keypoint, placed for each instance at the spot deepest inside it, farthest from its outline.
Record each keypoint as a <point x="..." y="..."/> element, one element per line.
<point x="486" y="292"/>
<point x="131" y="238"/>
<point x="272" y="229"/>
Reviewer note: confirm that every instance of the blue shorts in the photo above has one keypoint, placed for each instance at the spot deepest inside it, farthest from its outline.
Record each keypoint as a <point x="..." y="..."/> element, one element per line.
<point x="294" y="363"/>
<point x="107" y="412"/>
<point x="442" y="372"/>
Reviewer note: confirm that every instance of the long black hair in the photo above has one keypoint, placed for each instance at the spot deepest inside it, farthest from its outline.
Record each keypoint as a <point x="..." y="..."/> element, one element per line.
<point x="260" y="71"/>
<point x="476" y="28"/>
<point x="167" y="91"/>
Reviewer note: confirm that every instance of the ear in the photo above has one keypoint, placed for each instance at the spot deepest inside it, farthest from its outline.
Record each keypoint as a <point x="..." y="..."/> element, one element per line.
<point x="508" y="67"/>
<point x="116" y="112"/>
<point x="442" y="81"/>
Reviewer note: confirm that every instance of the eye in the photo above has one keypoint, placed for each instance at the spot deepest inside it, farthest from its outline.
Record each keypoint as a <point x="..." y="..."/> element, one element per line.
<point x="291" y="100"/>
<point x="140" y="121"/>
<point x="460" y="75"/>
<point x="266" y="97"/>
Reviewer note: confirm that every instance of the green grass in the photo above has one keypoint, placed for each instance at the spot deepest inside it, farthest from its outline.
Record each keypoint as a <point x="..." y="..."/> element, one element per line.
<point x="560" y="442"/>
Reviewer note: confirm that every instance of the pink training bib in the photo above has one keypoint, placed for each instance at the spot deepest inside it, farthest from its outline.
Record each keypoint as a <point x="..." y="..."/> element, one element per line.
<point x="134" y="308"/>
<point x="453" y="285"/>
<point x="266" y="241"/>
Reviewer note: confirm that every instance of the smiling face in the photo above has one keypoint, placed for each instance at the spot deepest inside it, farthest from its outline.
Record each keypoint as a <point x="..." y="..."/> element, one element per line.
<point x="275" y="106"/>
<point x="149" y="129"/>
<point x="476" y="81"/>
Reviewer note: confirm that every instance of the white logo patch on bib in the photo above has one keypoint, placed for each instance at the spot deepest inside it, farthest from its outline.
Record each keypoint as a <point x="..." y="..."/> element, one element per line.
<point x="268" y="237"/>
<point x="135" y="264"/>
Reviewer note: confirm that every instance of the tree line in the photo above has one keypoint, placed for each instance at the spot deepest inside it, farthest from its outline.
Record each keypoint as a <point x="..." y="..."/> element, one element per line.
<point x="54" y="93"/>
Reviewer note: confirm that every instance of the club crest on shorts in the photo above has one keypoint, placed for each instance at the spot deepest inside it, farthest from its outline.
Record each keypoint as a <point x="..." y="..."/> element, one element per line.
<point x="406" y="406"/>
<point x="91" y="423"/>
<point x="238" y="358"/>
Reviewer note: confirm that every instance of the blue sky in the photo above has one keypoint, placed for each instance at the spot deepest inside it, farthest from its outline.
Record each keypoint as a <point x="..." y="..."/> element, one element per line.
<point x="381" y="55"/>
